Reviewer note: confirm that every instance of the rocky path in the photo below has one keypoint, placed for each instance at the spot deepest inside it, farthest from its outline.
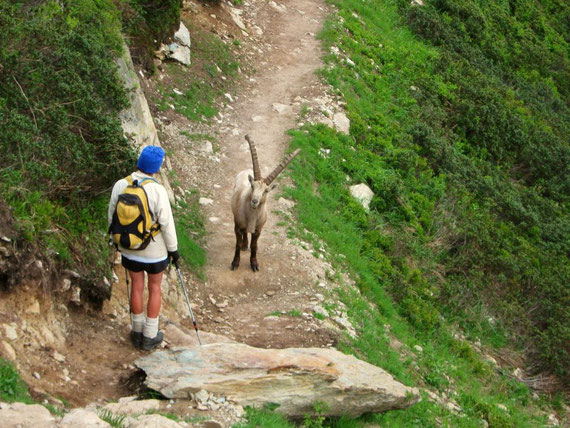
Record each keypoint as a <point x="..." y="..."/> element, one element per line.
<point x="282" y="47"/>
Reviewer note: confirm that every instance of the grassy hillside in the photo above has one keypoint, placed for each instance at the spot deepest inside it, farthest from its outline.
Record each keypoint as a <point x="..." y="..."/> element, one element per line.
<point x="61" y="140"/>
<point x="460" y="125"/>
<point x="462" y="132"/>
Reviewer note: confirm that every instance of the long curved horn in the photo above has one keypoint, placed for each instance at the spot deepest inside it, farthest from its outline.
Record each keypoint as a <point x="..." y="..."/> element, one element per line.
<point x="281" y="167"/>
<point x="254" y="160"/>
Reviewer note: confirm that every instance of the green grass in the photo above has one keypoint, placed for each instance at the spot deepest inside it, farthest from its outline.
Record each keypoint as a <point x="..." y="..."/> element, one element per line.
<point x="200" y="86"/>
<point x="294" y="313"/>
<point x="191" y="233"/>
<point x="12" y="388"/>
<point x="116" y="421"/>
<point x="198" y="137"/>
<point x="72" y="234"/>
<point x="54" y="410"/>
<point x="265" y="417"/>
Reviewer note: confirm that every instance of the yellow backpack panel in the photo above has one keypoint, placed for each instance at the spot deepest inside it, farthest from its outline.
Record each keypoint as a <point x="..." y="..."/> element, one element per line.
<point x="132" y="226"/>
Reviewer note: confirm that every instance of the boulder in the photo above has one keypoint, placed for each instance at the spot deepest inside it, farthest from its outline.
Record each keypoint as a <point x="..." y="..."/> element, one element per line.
<point x="363" y="193"/>
<point x="25" y="415"/>
<point x="179" y="53"/>
<point x="152" y="421"/>
<point x="179" y="50"/>
<point x="281" y="8"/>
<point x="205" y="201"/>
<point x="179" y="336"/>
<point x="182" y="36"/>
<point x="127" y="406"/>
<point x="206" y="147"/>
<point x="293" y="378"/>
<point x="341" y="123"/>
<point x="7" y="351"/>
<point x="83" y="418"/>
<point x="11" y="332"/>
<point x="280" y="108"/>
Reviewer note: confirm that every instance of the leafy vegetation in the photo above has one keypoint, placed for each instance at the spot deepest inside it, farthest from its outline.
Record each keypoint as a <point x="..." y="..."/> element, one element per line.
<point x="12" y="388"/>
<point x="501" y="135"/>
<point x="463" y="138"/>
<point x="61" y="138"/>
<point x="176" y="418"/>
<point x="162" y="17"/>
<point x="146" y="24"/>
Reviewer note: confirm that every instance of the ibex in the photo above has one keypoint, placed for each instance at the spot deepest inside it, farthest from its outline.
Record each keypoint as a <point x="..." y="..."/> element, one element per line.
<point x="248" y="204"/>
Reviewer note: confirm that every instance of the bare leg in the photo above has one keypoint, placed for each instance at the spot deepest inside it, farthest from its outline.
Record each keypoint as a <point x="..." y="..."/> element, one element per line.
<point x="154" y="294"/>
<point x="137" y="279"/>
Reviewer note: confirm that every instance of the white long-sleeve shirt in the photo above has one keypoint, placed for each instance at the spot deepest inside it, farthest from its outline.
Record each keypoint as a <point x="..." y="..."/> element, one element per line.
<point x="159" y="205"/>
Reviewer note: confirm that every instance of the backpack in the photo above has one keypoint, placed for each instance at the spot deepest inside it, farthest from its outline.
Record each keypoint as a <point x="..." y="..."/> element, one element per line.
<point x="132" y="226"/>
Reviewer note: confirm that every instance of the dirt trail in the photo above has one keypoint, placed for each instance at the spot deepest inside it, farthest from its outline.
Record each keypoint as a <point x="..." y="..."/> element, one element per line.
<point x="270" y="106"/>
<point x="90" y="358"/>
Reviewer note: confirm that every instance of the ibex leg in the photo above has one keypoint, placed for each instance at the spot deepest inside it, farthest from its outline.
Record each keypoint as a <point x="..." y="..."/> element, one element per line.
<point x="244" y="240"/>
<point x="253" y="248"/>
<point x="239" y="238"/>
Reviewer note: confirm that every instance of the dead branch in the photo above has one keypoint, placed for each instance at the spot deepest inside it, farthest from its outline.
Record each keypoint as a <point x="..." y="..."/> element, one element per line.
<point x="27" y="100"/>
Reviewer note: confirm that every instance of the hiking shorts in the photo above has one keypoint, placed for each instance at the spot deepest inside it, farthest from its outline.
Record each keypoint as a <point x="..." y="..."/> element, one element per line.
<point x="151" y="268"/>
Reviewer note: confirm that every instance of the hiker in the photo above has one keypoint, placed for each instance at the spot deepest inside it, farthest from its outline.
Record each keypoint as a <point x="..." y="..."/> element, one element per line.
<point x="154" y="255"/>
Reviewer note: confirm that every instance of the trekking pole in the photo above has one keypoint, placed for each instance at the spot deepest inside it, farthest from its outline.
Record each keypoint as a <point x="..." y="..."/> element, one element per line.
<point x="187" y="301"/>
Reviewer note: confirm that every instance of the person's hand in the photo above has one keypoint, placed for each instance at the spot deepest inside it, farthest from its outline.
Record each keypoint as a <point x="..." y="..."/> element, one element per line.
<point x="174" y="256"/>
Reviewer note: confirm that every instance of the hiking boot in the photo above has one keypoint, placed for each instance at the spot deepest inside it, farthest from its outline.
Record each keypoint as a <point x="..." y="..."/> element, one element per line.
<point x="149" y="344"/>
<point x="137" y="339"/>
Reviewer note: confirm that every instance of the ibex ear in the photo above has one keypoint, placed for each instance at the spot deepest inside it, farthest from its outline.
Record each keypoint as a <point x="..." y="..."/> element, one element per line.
<point x="272" y="186"/>
<point x="250" y="179"/>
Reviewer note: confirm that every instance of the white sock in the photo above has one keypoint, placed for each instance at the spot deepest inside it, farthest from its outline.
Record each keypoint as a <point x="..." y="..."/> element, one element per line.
<point x="137" y="322"/>
<point x="150" y="328"/>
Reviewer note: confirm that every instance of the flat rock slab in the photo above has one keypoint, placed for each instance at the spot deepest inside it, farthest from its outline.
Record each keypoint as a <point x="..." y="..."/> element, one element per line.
<point x="14" y="415"/>
<point x="294" y="378"/>
<point x="178" y="336"/>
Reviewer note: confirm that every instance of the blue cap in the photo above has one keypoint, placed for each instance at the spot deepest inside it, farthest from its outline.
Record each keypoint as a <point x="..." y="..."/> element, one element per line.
<point x="150" y="159"/>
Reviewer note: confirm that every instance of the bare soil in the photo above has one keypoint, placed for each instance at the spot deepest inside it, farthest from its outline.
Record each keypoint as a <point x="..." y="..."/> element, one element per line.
<point x="81" y="356"/>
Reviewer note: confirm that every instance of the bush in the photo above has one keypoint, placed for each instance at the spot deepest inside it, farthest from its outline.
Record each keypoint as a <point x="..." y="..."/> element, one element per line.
<point x="162" y="17"/>
<point x="461" y="129"/>
<point x="61" y="141"/>
<point x="12" y="388"/>
<point x="60" y="101"/>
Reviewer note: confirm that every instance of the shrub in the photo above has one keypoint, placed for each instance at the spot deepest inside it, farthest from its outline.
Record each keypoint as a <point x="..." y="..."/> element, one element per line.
<point x="61" y="141"/>
<point x="162" y="17"/>
<point x="12" y="388"/>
